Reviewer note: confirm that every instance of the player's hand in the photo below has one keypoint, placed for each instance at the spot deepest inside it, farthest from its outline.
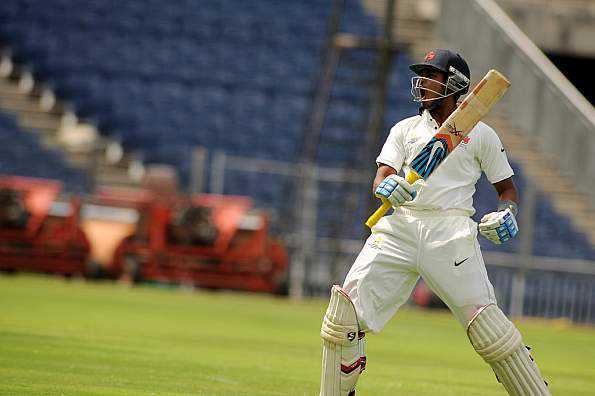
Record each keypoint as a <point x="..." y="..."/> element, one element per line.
<point x="499" y="227"/>
<point x="396" y="190"/>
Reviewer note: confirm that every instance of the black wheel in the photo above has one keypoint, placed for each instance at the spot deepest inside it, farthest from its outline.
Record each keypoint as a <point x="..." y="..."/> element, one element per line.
<point x="132" y="268"/>
<point x="94" y="270"/>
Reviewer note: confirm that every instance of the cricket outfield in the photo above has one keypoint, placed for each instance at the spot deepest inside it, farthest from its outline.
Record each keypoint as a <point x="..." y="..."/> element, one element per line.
<point x="79" y="338"/>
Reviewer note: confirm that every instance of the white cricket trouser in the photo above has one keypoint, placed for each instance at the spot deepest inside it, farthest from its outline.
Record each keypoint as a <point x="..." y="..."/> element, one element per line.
<point x="439" y="246"/>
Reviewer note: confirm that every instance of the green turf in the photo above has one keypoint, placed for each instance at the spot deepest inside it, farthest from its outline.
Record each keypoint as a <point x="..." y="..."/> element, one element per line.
<point x="77" y="338"/>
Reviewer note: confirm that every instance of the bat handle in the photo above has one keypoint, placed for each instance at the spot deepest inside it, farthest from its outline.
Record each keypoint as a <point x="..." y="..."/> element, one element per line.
<point x="411" y="177"/>
<point x="379" y="213"/>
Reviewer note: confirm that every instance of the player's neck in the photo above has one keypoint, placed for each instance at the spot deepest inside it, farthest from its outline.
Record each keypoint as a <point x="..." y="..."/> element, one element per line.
<point x="441" y="113"/>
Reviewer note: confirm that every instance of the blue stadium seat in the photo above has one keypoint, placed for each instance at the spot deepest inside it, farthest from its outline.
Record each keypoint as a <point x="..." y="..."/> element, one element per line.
<point x="20" y="154"/>
<point x="230" y="75"/>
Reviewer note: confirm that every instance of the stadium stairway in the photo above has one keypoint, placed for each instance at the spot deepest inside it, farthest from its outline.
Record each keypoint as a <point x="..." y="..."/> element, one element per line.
<point x="564" y="197"/>
<point x="414" y="26"/>
<point x="414" y="22"/>
<point x="39" y="112"/>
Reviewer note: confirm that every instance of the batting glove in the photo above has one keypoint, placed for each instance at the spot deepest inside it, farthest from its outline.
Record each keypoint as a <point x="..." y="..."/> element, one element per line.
<point x="499" y="227"/>
<point x="396" y="190"/>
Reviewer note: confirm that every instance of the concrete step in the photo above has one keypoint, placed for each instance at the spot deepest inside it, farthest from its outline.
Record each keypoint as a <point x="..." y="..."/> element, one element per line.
<point x="10" y="88"/>
<point x="38" y="130"/>
<point x="112" y="178"/>
<point x="20" y="105"/>
<point x="81" y="160"/>
<point x="49" y="141"/>
<point x="104" y="167"/>
<point x="39" y="121"/>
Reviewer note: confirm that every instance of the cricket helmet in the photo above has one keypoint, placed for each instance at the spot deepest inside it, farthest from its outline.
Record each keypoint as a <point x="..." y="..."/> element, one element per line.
<point x="448" y="62"/>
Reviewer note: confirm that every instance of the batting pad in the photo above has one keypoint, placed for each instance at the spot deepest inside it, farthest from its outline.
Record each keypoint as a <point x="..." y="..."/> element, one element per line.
<point x="343" y="357"/>
<point x="499" y="343"/>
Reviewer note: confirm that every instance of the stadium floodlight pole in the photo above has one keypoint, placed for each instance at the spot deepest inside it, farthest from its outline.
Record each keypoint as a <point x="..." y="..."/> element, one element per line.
<point x="384" y="64"/>
<point x="305" y="201"/>
<point x="197" y="169"/>
<point x="527" y="220"/>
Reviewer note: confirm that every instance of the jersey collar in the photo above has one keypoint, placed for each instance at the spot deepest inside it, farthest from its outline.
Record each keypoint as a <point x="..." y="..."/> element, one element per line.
<point x="429" y="120"/>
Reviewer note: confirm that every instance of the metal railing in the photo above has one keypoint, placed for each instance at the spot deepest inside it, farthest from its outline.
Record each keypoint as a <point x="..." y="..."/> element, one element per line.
<point x="542" y="103"/>
<point x="298" y="227"/>
<point x="525" y="284"/>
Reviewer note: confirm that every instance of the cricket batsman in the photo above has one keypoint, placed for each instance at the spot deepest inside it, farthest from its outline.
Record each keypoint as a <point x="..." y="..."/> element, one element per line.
<point x="431" y="234"/>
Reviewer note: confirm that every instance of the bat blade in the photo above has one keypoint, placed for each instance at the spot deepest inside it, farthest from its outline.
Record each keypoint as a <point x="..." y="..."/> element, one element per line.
<point x="458" y="125"/>
<point x="454" y="129"/>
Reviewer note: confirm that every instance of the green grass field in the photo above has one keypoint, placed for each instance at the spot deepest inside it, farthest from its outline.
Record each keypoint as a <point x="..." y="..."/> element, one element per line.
<point x="77" y="338"/>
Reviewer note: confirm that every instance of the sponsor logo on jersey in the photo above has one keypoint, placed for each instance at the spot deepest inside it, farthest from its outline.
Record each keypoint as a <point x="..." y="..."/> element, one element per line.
<point x="376" y="242"/>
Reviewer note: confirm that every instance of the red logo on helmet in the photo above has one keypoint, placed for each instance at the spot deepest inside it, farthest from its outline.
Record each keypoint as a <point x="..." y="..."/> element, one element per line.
<point x="430" y="55"/>
<point x="466" y="139"/>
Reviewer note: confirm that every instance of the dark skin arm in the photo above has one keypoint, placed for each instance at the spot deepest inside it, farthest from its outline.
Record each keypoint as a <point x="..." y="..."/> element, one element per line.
<point x="507" y="190"/>
<point x="382" y="172"/>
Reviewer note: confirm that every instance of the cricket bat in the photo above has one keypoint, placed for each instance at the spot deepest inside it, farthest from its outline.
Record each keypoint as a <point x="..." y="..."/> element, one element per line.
<point x="454" y="129"/>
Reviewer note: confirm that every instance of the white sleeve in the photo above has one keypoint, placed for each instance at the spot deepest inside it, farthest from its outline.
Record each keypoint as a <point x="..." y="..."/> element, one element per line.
<point x="393" y="151"/>
<point x="492" y="156"/>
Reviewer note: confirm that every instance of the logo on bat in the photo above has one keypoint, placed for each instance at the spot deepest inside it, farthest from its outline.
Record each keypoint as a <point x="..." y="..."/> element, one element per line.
<point x="435" y="147"/>
<point x="430" y="157"/>
<point x="452" y="129"/>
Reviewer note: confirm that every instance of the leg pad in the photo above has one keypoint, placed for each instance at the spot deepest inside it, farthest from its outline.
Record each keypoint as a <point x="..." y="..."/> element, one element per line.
<point x="343" y="356"/>
<point x="499" y="343"/>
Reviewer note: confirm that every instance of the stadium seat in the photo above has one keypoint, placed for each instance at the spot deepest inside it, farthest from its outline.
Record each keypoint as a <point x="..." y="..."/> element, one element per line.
<point x="163" y="77"/>
<point x="21" y="154"/>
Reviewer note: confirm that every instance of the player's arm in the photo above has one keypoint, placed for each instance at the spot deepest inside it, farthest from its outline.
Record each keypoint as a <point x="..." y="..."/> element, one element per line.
<point x="501" y="225"/>
<point x="392" y="189"/>
<point x="507" y="191"/>
<point x="382" y="173"/>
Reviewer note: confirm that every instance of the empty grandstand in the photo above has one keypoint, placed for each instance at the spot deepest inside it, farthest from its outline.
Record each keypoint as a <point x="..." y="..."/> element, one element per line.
<point x="245" y="81"/>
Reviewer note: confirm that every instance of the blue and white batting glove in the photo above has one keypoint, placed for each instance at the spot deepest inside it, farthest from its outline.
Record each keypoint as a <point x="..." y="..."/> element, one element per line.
<point x="396" y="190"/>
<point x="499" y="227"/>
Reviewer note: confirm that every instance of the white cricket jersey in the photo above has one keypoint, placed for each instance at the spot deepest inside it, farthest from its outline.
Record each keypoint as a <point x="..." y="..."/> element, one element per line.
<point x="452" y="184"/>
